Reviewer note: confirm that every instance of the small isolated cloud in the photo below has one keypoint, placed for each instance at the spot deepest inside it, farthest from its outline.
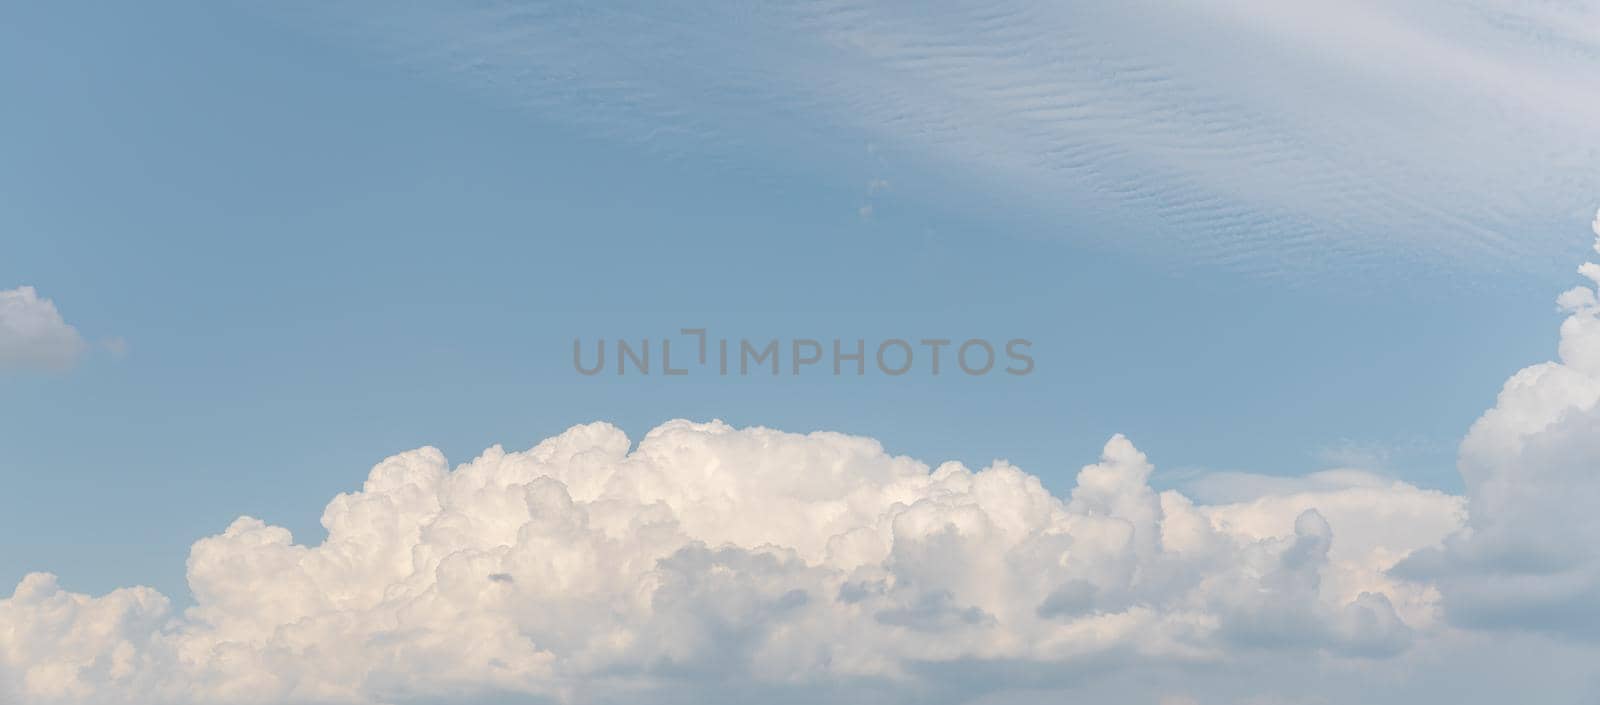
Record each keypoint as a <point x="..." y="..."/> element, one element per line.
<point x="117" y="347"/>
<point x="33" y="335"/>
<point x="869" y="208"/>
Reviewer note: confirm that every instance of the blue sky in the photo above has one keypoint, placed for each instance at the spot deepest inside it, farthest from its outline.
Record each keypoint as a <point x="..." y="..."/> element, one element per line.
<point x="311" y="249"/>
<point x="299" y="239"/>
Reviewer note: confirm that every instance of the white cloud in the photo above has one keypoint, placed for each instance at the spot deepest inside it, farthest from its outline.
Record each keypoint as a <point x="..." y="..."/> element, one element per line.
<point x="32" y="334"/>
<point x="1529" y="557"/>
<point x="580" y="570"/>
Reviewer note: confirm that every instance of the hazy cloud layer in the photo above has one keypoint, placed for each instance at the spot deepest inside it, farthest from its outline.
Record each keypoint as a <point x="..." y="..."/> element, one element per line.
<point x="33" y="335"/>
<point x="1260" y="134"/>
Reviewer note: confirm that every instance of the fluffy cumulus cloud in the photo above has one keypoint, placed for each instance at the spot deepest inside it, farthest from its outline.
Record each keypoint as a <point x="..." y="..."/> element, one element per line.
<point x="586" y="569"/>
<point x="33" y="335"/>
<point x="1529" y="557"/>
<point x="707" y="563"/>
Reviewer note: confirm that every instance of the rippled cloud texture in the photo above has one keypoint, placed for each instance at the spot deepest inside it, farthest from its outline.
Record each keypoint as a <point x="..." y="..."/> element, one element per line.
<point x="710" y="563"/>
<point x="1253" y="133"/>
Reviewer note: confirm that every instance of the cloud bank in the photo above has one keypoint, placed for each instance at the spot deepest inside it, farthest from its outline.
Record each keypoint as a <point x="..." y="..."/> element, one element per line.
<point x="709" y="563"/>
<point x="583" y="570"/>
<point x="33" y="335"/>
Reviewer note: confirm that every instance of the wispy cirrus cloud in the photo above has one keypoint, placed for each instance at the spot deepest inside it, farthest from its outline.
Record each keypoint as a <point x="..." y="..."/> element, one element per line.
<point x="1246" y="132"/>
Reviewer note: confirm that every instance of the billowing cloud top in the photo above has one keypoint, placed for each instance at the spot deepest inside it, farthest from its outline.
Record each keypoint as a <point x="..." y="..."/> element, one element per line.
<point x="32" y="334"/>
<point x="710" y="563"/>
<point x="580" y="569"/>
<point x="1530" y="554"/>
